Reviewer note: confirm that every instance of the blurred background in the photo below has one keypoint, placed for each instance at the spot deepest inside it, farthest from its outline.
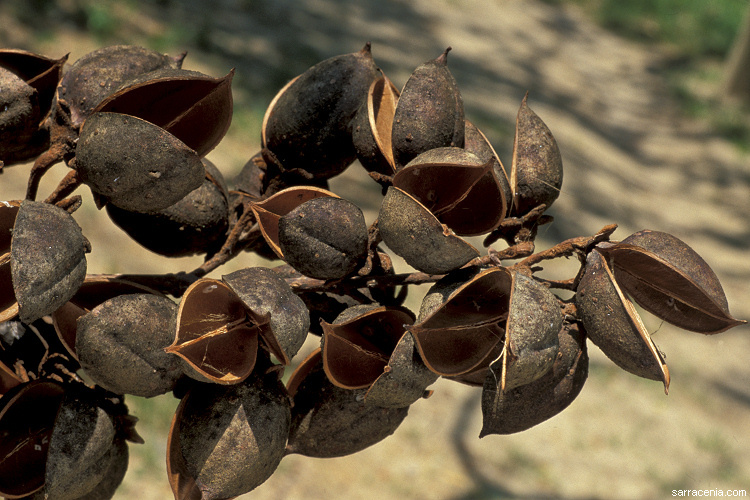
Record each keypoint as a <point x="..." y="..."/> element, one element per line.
<point x="645" y="99"/>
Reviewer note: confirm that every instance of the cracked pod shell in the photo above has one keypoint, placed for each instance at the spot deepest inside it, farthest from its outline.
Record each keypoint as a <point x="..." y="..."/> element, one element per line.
<point x="307" y="124"/>
<point x="98" y="74"/>
<point x="42" y="260"/>
<point x="227" y="440"/>
<point x="120" y="344"/>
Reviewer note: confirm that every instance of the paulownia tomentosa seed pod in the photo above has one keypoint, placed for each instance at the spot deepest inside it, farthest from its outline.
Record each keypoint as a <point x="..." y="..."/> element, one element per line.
<point x="227" y="440"/>
<point x="368" y="347"/>
<point x="140" y="149"/>
<point x="429" y="113"/>
<point x="96" y="75"/>
<point x="328" y="421"/>
<point x="120" y="344"/>
<point x="28" y="82"/>
<point x="195" y="224"/>
<point x="324" y="238"/>
<point x="307" y="124"/>
<point x="537" y="171"/>
<point x="220" y="325"/>
<point x="42" y="259"/>
<point x="664" y="276"/>
<point x="520" y="408"/>
<point x="372" y="125"/>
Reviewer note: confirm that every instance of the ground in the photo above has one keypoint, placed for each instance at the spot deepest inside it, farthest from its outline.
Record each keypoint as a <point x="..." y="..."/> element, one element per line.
<point x="630" y="157"/>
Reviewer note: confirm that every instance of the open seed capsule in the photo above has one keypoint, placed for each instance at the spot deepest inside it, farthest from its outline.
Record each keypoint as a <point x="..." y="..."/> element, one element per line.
<point x="42" y="259"/>
<point x="372" y="125"/>
<point x="98" y="74"/>
<point x="307" y="124"/>
<point x="328" y="421"/>
<point x="429" y="113"/>
<point x="227" y="440"/>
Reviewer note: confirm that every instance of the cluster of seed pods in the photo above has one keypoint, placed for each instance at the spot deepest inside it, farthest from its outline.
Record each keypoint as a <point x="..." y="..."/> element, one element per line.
<point x="134" y="127"/>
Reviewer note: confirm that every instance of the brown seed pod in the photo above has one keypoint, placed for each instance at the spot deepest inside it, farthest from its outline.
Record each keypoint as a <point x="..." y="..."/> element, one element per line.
<point x="118" y="458"/>
<point x="264" y="292"/>
<point x="42" y="259"/>
<point x="120" y="344"/>
<point x="29" y="82"/>
<point x="520" y="408"/>
<point x="135" y="164"/>
<point x="429" y="114"/>
<point x="372" y="125"/>
<point x="416" y="235"/>
<point x="328" y="421"/>
<point x="669" y="279"/>
<point x="477" y="143"/>
<point x="80" y="449"/>
<point x="461" y="324"/>
<point x="460" y="190"/>
<point x="324" y="238"/>
<point x="269" y="211"/>
<point x="368" y="347"/>
<point x="227" y="440"/>
<point x="97" y="74"/>
<point x="193" y="225"/>
<point x="93" y="291"/>
<point x="537" y="172"/>
<point x="216" y="338"/>
<point x="613" y="324"/>
<point x="27" y="418"/>
<point x="307" y="124"/>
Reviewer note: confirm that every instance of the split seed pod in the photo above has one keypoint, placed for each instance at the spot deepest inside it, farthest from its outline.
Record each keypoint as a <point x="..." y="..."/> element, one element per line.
<point x="96" y="75"/>
<point x="520" y="408"/>
<point x="324" y="238"/>
<point x="140" y="149"/>
<point x="120" y="344"/>
<point x="307" y="124"/>
<point x="537" y="170"/>
<point x="227" y="440"/>
<point x="42" y="259"/>
<point x="193" y="225"/>
<point x="28" y="83"/>
<point x="477" y="143"/>
<point x="268" y="212"/>
<point x="220" y="323"/>
<point x="461" y="324"/>
<point x="81" y="449"/>
<point x="328" y="421"/>
<point x="372" y="126"/>
<point x="429" y="114"/>
<point x="368" y="347"/>
<point x="27" y="419"/>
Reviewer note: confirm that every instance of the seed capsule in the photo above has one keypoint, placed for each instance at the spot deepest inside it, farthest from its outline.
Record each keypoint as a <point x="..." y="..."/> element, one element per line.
<point x="307" y="124"/>
<point x="537" y="171"/>
<point x="429" y="114"/>
<point x="372" y="125"/>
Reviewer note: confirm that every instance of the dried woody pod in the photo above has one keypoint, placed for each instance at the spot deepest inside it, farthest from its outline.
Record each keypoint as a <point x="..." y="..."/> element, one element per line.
<point x="324" y="238"/>
<point x="477" y="143"/>
<point x="120" y="344"/>
<point x="520" y="408"/>
<point x="268" y="211"/>
<point x="368" y="347"/>
<point x="42" y="259"/>
<point x="227" y="440"/>
<point x="307" y="124"/>
<point x="28" y="83"/>
<point x="666" y="277"/>
<point x="220" y="323"/>
<point x="441" y="193"/>
<point x="96" y="75"/>
<point x="328" y="421"/>
<point x="537" y="172"/>
<point x="429" y="113"/>
<point x="193" y="225"/>
<point x="141" y="148"/>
